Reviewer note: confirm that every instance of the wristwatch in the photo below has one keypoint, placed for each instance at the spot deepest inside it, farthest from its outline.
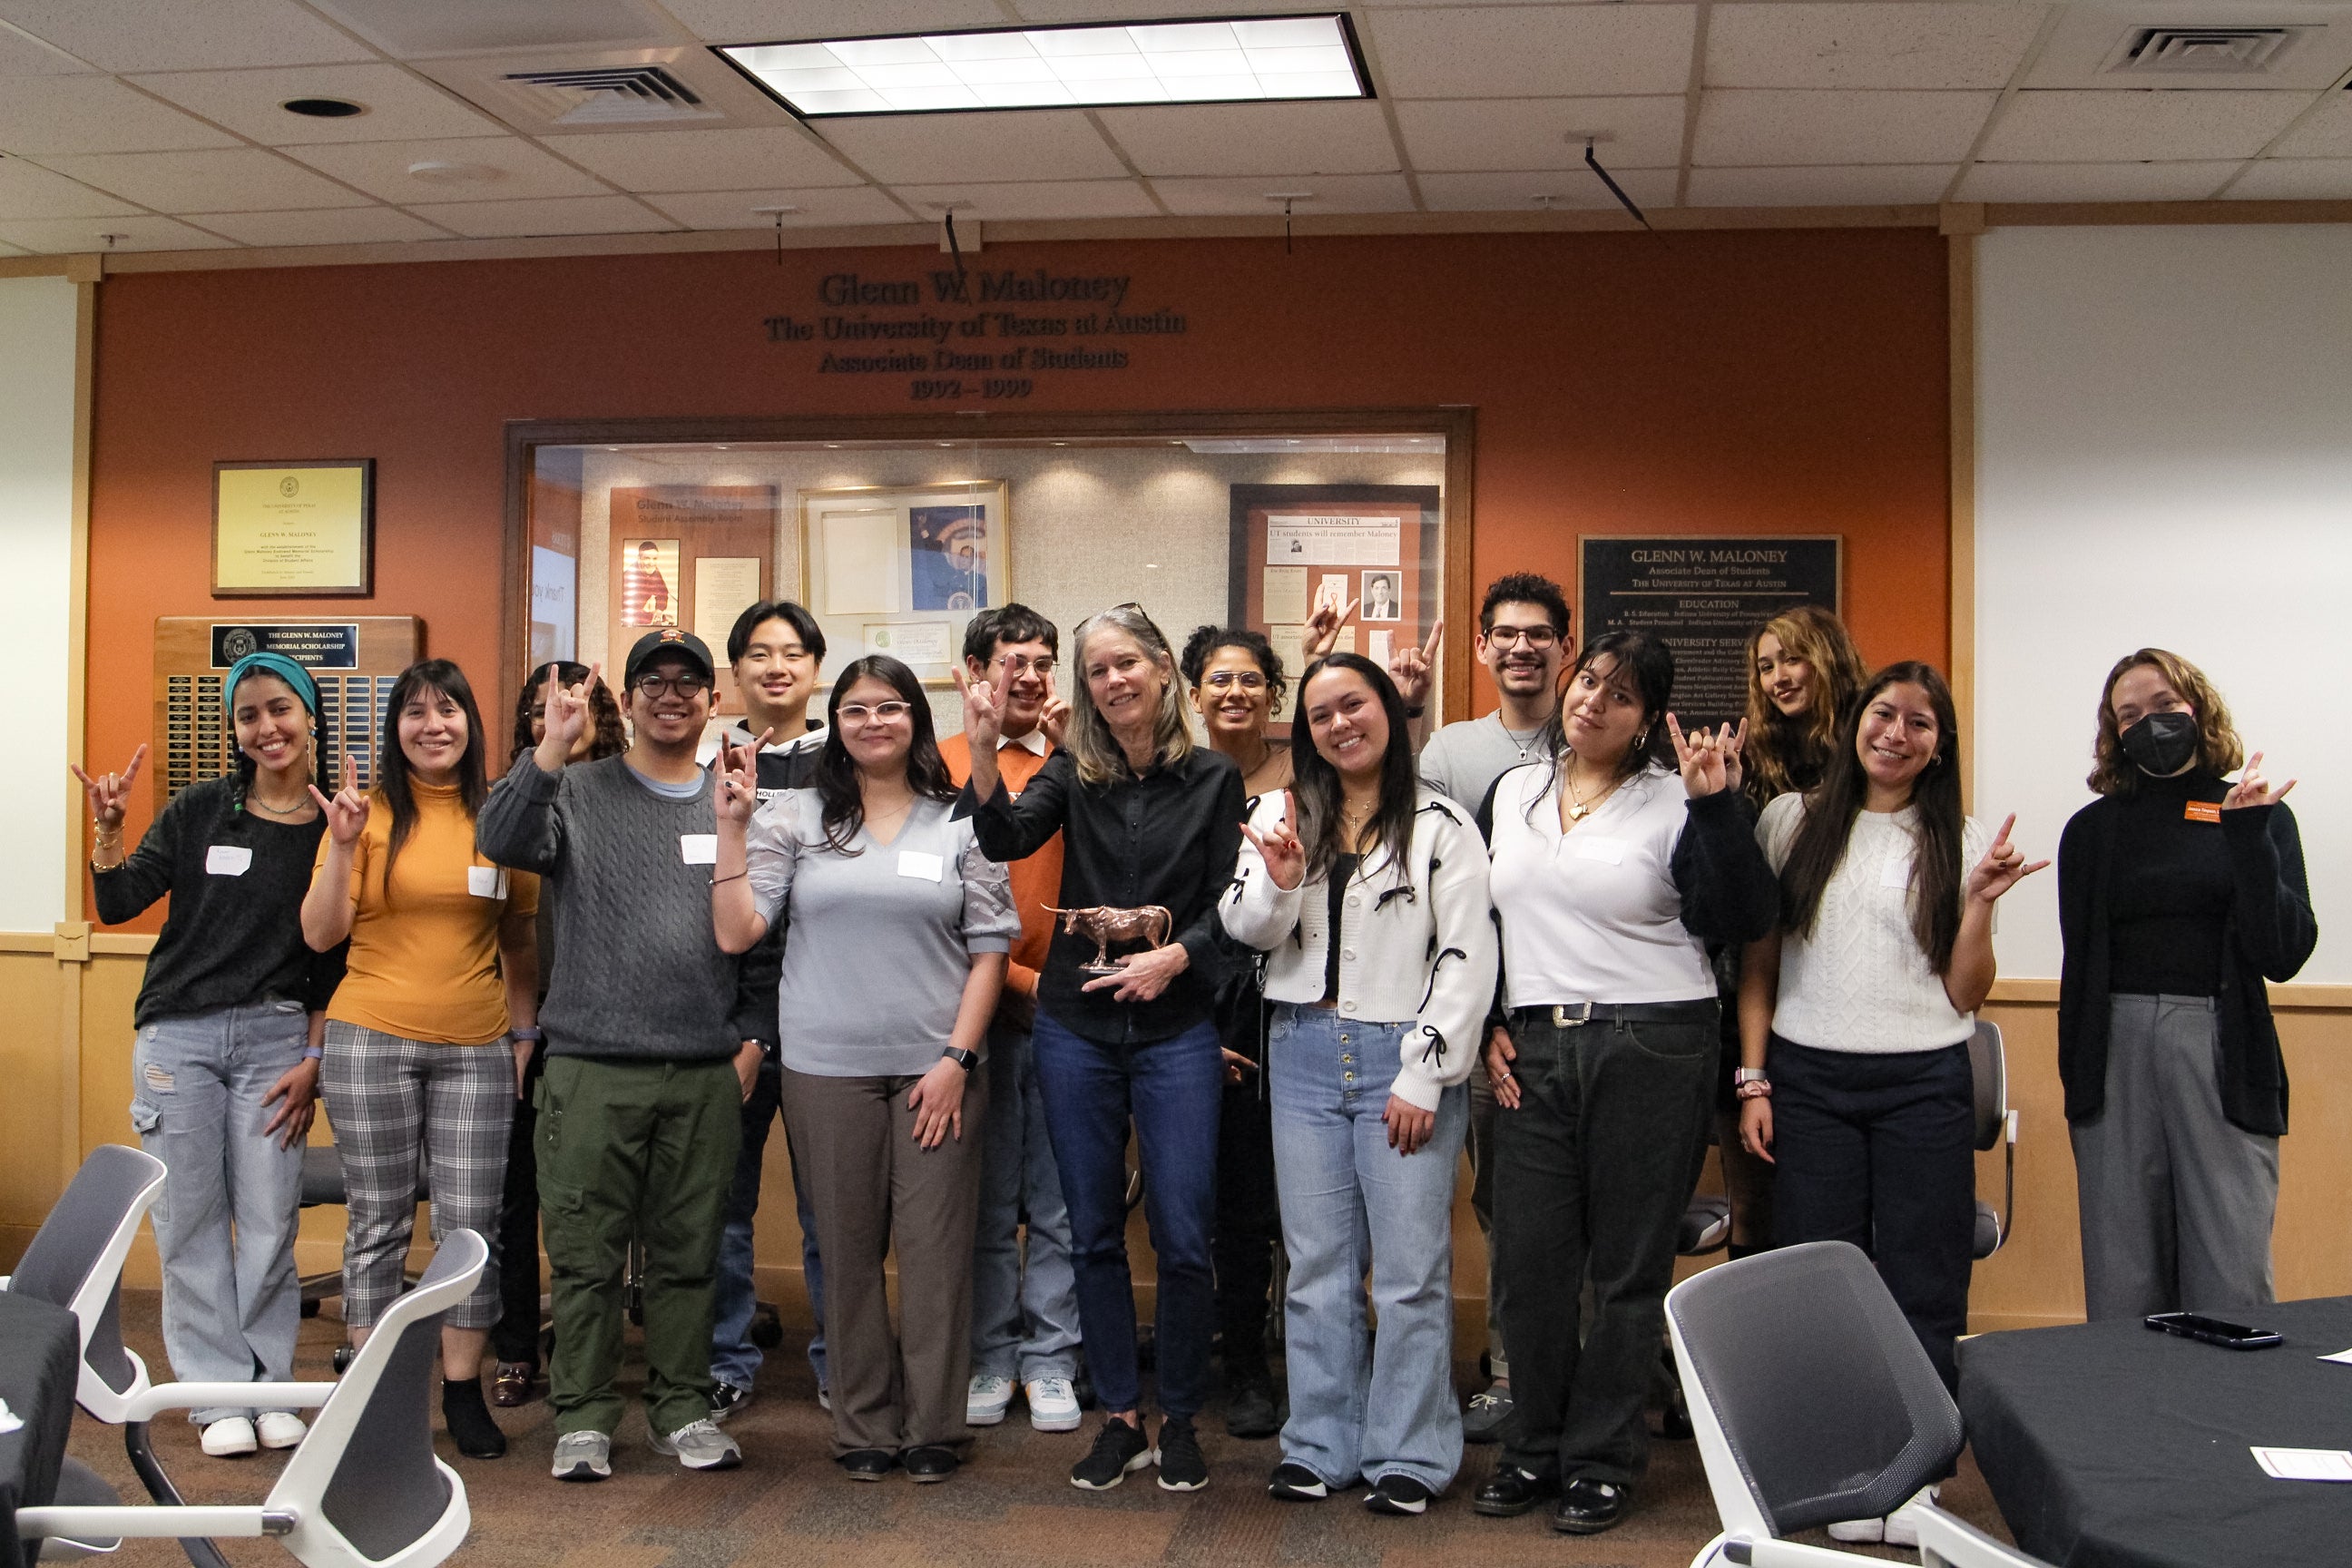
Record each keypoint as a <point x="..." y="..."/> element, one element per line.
<point x="968" y="1060"/>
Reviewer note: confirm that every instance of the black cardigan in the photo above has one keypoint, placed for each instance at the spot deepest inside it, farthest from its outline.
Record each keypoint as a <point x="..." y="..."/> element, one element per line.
<point x="2270" y="931"/>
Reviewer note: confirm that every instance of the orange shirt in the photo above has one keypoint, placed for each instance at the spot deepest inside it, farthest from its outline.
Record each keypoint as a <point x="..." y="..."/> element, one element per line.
<point x="1037" y="880"/>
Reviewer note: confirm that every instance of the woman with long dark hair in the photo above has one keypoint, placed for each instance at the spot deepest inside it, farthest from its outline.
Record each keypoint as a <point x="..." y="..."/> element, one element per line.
<point x="1612" y="870"/>
<point x="1368" y="891"/>
<point x="2180" y="894"/>
<point x="1151" y="823"/>
<point x="226" y="1066"/>
<point x="444" y="969"/>
<point x="899" y="932"/>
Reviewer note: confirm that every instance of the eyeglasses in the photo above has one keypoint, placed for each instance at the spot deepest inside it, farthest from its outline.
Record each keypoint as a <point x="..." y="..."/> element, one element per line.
<point x="1015" y="664"/>
<point x="1247" y="680"/>
<point x="685" y="685"/>
<point x="863" y="714"/>
<point x="761" y="654"/>
<point x="1534" y="636"/>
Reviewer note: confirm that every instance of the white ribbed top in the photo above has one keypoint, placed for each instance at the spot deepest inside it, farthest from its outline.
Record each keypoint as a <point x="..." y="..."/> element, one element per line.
<point x="1860" y="983"/>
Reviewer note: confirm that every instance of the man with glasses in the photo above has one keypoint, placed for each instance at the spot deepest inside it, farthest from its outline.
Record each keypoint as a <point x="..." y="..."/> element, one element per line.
<point x="775" y="650"/>
<point x="639" y="1111"/>
<point x="1523" y="642"/>
<point x="1025" y="1320"/>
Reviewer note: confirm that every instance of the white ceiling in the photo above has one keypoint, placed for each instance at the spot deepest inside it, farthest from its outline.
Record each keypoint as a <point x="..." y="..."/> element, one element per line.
<point x="159" y="125"/>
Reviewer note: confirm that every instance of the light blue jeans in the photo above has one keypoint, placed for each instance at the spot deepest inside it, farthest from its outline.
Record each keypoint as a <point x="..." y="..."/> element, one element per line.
<point x="1024" y="1322"/>
<point x="1360" y="1404"/>
<point x="225" y="1225"/>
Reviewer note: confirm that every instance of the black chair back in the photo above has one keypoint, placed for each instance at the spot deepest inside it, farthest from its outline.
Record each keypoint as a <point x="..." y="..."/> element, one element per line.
<point x="74" y="1240"/>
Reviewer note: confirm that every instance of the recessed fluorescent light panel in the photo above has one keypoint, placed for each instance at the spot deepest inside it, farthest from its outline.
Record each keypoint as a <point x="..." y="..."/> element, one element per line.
<point x="1253" y="60"/>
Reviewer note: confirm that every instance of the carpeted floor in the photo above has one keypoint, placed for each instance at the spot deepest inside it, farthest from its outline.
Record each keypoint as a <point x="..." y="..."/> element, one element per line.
<point x="1012" y="1505"/>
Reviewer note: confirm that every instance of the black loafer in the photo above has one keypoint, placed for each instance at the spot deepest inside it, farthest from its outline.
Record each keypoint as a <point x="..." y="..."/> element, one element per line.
<point x="868" y="1464"/>
<point x="1587" y="1508"/>
<point x="1511" y="1491"/>
<point x="930" y="1463"/>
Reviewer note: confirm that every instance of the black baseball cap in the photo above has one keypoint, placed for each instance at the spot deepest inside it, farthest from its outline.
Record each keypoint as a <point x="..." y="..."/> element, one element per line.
<point x="674" y="640"/>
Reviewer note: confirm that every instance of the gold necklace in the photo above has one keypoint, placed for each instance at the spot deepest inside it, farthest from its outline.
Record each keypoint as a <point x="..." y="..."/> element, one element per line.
<point x="1579" y="807"/>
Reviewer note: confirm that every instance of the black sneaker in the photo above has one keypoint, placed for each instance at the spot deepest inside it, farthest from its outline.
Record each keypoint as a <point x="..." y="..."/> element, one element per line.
<point x="1181" y="1467"/>
<point x="727" y="1400"/>
<point x="1250" y="1412"/>
<point x="1118" y="1450"/>
<point x="1293" y="1482"/>
<point x="1401" y="1496"/>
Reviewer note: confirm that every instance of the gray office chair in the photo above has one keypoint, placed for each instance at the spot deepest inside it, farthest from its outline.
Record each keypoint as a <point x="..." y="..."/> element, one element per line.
<point x="1996" y="1123"/>
<point x="1813" y="1403"/>
<point x="322" y="1187"/>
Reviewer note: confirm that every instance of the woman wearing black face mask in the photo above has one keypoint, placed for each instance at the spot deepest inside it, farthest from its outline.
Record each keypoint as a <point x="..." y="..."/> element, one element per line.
<point x="2179" y="894"/>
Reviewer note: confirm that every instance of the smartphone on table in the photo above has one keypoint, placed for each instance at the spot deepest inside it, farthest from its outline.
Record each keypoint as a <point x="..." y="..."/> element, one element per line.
<point x="2214" y="1330"/>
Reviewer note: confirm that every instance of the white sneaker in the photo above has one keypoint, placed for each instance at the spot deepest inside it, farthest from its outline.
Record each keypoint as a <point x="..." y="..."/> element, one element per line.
<point x="1052" y="1405"/>
<point x="987" y="1400"/>
<point x="1900" y="1531"/>
<point x="583" y="1457"/>
<point x="1895" y="1529"/>
<point x="280" y="1429"/>
<point x="229" y="1438"/>
<point x="1871" y="1531"/>
<point x="699" y="1445"/>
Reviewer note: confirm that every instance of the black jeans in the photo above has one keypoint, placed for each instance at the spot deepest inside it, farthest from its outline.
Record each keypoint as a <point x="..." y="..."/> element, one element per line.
<point x="1249" y="1225"/>
<point x="1880" y="1149"/>
<point x="1592" y="1172"/>
<point x="516" y="1338"/>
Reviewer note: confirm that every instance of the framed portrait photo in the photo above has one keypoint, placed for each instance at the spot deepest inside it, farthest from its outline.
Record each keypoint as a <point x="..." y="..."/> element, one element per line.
<point x="901" y="571"/>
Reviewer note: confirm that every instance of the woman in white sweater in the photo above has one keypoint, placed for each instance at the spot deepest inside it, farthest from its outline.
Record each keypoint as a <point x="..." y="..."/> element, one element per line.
<point x="1368" y="892"/>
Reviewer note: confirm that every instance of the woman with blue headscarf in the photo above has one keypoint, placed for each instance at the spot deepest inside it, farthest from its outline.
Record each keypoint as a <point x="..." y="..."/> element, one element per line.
<point x="229" y="1017"/>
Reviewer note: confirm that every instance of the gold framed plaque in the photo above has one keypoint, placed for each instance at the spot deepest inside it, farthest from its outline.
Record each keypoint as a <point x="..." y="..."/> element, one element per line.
<point x="294" y="531"/>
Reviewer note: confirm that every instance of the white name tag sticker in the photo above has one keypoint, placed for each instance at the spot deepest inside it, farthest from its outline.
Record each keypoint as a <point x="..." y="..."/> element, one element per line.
<point x="699" y="848"/>
<point x="1589" y="847"/>
<point x="487" y="881"/>
<point x="921" y="866"/>
<point x="228" y="860"/>
<point x="1895" y="872"/>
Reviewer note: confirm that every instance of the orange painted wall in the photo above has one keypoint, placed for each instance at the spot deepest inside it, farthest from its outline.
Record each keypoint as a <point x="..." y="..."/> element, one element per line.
<point x="1719" y="382"/>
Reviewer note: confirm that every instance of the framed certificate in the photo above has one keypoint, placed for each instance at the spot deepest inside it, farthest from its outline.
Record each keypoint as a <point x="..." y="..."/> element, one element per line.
<point x="900" y="571"/>
<point x="294" y="531"/>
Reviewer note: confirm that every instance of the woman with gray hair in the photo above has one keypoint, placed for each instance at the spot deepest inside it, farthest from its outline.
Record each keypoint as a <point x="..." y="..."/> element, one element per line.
<point x="1151" y="828"/>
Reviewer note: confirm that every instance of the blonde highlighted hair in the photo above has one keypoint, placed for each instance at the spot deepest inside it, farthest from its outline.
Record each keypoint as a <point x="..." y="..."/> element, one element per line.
<point x="1785" y="753"/>
<point x="1092" y="746"/>
<point x="2218" y="750"/>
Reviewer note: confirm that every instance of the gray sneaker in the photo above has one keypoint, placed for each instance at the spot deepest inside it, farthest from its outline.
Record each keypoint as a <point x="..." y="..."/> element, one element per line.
<point x="699" y="1445"/>
<point x="1489" y="1412"/>
<point x="583" y="1457"/>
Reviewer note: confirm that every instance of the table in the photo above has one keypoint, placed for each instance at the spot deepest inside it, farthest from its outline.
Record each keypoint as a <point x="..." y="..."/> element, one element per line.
<point x="2110" y="1445"/>
<point x="41" y="1361"/>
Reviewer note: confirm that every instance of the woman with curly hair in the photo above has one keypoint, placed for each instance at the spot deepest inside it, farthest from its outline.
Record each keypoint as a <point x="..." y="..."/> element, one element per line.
<point x="2179" y="893"/>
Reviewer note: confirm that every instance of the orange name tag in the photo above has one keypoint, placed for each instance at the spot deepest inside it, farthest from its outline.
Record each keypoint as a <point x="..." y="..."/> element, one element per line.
<point x="2203" y="811"/>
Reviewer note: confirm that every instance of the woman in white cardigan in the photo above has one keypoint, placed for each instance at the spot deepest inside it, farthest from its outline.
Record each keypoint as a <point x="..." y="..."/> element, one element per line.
<point x="1368" y="893"/>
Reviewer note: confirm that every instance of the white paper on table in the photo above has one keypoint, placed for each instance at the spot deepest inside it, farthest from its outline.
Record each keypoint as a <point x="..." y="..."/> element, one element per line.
<point x="2305" y="1464"/>
<point x="9" y="1420"/>
<point x="2342" y="1358"/>
<point x="862" y="562"/>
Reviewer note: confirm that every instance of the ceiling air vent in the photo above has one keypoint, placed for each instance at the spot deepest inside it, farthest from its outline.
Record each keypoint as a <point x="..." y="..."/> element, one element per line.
<point x="2203" y="51"/>
<point x="611" y="95"/>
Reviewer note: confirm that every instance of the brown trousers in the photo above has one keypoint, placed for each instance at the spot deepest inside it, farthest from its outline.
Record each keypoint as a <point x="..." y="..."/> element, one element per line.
<point x="870" y="1184"/>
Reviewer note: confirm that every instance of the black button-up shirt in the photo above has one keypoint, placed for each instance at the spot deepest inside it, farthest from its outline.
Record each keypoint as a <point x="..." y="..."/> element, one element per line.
<point x="1170" y="837"/>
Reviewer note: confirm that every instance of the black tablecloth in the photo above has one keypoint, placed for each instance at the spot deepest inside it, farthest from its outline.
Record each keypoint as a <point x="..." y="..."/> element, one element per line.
<point x="2109" y="1445"/>
<point x="40" y="1360"/>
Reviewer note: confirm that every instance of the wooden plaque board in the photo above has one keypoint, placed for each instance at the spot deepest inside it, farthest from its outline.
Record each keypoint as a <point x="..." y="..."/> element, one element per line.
<point x="354" y="660"/>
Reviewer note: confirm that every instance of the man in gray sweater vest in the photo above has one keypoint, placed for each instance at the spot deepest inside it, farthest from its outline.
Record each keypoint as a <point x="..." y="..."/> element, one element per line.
<point x="638" y="1111"/>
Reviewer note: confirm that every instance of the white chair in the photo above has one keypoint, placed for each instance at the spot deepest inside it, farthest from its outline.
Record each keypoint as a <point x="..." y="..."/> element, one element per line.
<point x="1813" y="1403"/>
<point x="74" y="1261"/>
<point x="364" y="1489"/>
<point x="1995" y="1123"/>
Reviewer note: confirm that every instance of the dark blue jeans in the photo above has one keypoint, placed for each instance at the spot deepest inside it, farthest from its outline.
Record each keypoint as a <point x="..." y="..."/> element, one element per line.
<point x="1171" y="1087"/>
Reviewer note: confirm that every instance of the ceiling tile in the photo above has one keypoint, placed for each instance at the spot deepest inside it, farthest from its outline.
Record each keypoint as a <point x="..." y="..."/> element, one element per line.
<point x="1743" y="126"/>
<point x="1331" y="193"/>
<point x="380" y="169"/>
<point x="1570" y="190"/>
<point x="241" y="179"/>
<point x="42" y="115"/>
<point x="414" y="29"/>
<point x="775" y="21"/>
<point x="819" y="209"/>
<point x="28" y="190"/>
<point x="1255" y="138"/>
<point x="2087" y="37"/>
<point x="1033" y="145"/>
<point x="2072" y="127"/>
<point x="59" y="235"/>
<point x="21" y="54"/>
<point x="1032" y="199"/>
<point x="1531" y="52"/>
<point x="2190" y="182"/>
<point x="347" y="226"/>
<point x="1866" y="46"/>
<point x="2328" y="133"/>
<point x="1542" y="133"/>
<point x="1874" y="184"/>
<point x="709" y="160"/>
<point x="1051" y="11"/>
<point x="143" y="35"/>
<point x="399" y="106"/>
<point x="2296" y="179"/>
<point x="568" y="214"/>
